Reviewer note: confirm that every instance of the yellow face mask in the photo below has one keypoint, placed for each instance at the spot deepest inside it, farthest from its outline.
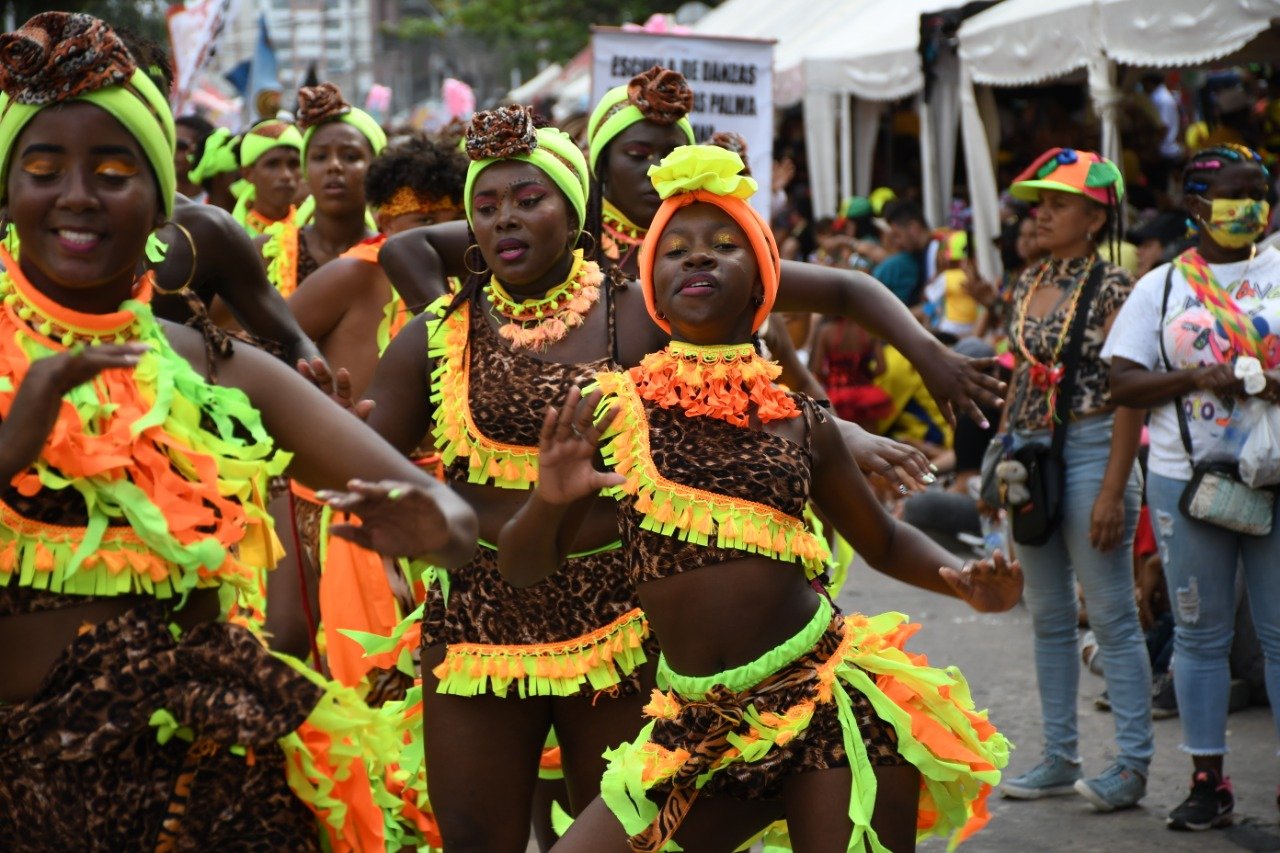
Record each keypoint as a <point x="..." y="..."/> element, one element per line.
<point x="1234" y="223"/>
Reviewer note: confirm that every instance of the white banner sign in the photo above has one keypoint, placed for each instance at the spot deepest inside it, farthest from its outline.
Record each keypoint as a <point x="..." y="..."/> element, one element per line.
<point x="194" y="27"/>
<point x="732" y="82"/>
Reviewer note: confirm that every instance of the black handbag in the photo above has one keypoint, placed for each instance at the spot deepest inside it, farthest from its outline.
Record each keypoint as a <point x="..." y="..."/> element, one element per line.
<point x="1215" y="494"/>
<point x="1034" y="522"/>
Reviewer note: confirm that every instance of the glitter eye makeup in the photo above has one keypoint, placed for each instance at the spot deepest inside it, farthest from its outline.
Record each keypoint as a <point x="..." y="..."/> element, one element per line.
<point x="116" y="169"/>
<point x="39" y="167"/>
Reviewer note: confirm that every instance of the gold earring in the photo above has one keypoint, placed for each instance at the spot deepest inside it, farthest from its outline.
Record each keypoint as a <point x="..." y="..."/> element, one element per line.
<point x="466" y="260"/>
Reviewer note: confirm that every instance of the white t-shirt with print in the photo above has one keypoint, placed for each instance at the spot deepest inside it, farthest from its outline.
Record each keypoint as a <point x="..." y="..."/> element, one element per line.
<point x="1192" y="338"/>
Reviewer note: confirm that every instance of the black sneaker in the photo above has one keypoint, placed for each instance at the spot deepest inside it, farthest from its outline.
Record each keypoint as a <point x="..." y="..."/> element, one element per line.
<point x="1164" y="702"/>
<point x="1210" y="805"/>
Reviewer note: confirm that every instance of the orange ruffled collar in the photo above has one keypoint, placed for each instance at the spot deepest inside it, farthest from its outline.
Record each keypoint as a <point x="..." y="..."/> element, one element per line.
<point x="725" y="382"/>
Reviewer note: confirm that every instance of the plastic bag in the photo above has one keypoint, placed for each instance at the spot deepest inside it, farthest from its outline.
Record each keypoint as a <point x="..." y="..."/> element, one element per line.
<point x="1260" y="455"/>
<point x="1230" y="445"/>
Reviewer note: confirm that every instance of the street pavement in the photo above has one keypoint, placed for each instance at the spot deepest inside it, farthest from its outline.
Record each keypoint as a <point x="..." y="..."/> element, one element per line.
<point x="995" y="653"/>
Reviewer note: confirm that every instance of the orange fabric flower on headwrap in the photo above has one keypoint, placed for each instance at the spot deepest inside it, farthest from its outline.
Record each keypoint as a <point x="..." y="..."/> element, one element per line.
<point x="712" y="175"/>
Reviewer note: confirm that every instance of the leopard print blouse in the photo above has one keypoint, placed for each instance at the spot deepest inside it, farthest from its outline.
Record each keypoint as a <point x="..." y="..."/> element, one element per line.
<point x="510" y="389"/>
<point x="709" y="454"/>
<point x="1031" y="410"/>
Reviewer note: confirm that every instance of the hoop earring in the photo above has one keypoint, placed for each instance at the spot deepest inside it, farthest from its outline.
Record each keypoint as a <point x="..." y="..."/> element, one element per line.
<point x="661" y="315"/>
<point x="466" y="260"/>
<point x="588" y="253"/>
<point x="194" y="257"/>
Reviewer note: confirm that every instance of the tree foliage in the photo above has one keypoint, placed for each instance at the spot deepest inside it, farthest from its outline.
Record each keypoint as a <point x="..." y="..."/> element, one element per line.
<point x="144" y="17"/>
<point x="530" y="31"/>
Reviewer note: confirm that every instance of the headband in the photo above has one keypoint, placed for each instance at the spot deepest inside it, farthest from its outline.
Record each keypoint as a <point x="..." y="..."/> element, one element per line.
<point x="712" y="175"/>
<point x="318" y="105"/>
<point x="217" y="158"/>
<point x="407" y="200"/>
<point x="57" y="57"/>
<point x="254" y="144"/>
<point x="1070" y="171"/>
<point x="508" y="133"/>
<point x="659" y="95"/>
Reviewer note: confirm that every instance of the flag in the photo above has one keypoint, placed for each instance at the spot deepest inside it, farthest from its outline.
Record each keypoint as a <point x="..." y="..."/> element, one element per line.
<point x="264" y="85"/>
<point x="239" y="77"/>
<point x="313" y="75"/>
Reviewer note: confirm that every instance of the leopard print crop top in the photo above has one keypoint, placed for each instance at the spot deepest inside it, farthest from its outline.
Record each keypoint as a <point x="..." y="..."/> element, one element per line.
<point x="507" y="390"/>
<point x="716" y="457"/>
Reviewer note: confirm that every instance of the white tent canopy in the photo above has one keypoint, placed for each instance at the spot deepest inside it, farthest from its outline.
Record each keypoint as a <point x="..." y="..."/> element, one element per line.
<point x="873" y="55"/>
<point x="1024" y="42"/>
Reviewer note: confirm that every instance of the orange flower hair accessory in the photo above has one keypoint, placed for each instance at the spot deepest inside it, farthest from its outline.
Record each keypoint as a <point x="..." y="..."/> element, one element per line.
<point x="712" y="175"/>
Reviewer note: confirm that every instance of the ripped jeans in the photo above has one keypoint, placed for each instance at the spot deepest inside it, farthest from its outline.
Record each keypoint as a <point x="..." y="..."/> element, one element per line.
<point x="1051" y="571"/>
<point x="1200" y="564"/>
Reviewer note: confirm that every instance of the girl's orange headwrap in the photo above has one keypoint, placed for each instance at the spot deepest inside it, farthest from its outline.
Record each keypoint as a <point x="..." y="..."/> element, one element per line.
<point x="709" y="174"/>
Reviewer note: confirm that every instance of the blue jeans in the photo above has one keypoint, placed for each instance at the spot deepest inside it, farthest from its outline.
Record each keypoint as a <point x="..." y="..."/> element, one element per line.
<point x="1200" y="565"/>
<point x="1051" y="572"/>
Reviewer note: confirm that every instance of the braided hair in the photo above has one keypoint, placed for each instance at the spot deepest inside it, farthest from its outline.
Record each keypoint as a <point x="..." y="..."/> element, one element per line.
<point x="1200" y="169"/>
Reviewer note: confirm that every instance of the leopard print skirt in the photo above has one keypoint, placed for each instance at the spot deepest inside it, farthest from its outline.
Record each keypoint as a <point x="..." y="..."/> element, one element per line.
<point x="481" y="610"/>
<point x="704" y="733"/>
<point x="819" y="747"/>
<point x="82" y="767"/>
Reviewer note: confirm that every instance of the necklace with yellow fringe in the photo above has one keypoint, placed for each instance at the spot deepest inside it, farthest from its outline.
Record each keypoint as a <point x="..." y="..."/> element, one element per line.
<point x="619" y="237"/>
<point x="536" y="324"/>
<point x="724" y="382"/>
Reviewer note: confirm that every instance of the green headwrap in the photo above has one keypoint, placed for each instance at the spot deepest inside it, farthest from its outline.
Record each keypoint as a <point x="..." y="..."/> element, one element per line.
<point x="253" y="144"/>
<point x="361" y="121"/>
<point x="137" y="104"/>
<point x="217" y="158"/>
<point x="551" y="150"/>
<point x="663" y="93"/>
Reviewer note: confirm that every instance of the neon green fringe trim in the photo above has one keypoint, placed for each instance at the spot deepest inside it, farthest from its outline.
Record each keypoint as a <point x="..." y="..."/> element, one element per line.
<point x="957" y="751"/>
<point x="602" y="659"/>
<point x="688" y="513"/>
<point x="506" y="466"/>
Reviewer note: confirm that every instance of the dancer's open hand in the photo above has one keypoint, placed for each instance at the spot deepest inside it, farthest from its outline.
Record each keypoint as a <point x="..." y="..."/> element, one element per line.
<point x="989" y="586"/>
<point x="336" y="384"/>
<point x="397" y="519"/>
<point x="567" y="450"/>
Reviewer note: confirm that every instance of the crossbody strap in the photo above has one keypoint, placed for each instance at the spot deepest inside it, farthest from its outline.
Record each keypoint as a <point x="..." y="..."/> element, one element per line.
<point x="1177" y="401"/>
<point x="1071" y="363"/>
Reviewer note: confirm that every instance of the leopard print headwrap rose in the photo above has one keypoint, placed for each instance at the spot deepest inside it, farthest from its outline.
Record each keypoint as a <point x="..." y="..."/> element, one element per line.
<point x="324" y="103"/>
<point x="57" y="57"/>
<point x="511" y="133"/>
<point x="501" y="133"/>
<point x="659" y="95"/>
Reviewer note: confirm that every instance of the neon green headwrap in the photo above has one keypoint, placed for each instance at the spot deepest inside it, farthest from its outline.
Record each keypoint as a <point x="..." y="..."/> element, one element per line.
<point x="217" y="158"/>
<point x="556" y="155"/>
<point x="253" y="144"/>
<point x="361" y="121"/>
<point x="138" y="105"/>
<point x="615" y="113"/>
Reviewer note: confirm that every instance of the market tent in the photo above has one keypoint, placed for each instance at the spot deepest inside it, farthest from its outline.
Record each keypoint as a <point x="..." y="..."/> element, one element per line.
<point x="1027" y="42"/>
<point x="793" y="32"/>
<point x="873" y="56"/>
